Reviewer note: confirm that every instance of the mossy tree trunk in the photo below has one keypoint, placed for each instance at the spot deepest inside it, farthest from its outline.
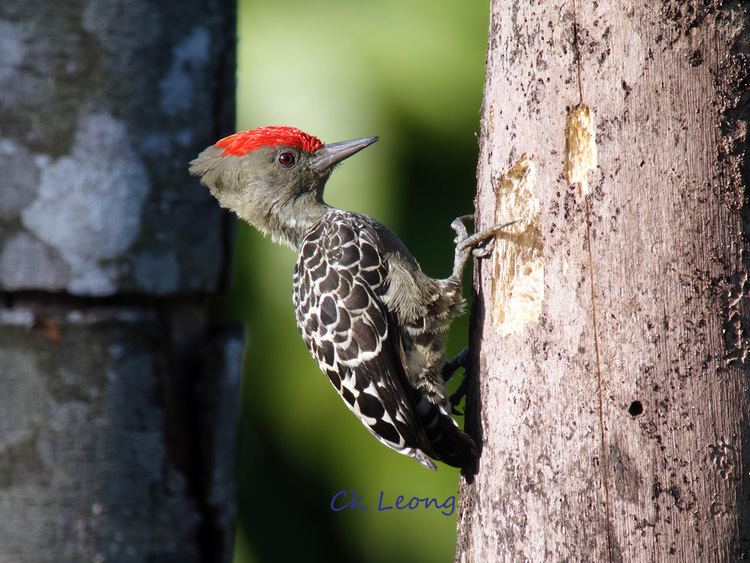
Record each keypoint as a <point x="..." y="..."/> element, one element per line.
<point x="610" y="335"/>
<point x="118" y="398"/>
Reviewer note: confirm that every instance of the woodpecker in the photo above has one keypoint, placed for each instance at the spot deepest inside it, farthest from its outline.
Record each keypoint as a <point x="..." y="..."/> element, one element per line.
<point x="371" y="318"/>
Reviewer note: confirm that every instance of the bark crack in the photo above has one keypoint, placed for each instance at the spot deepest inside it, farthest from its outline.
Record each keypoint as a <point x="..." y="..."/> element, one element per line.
<point x="599" y="386"/>
<point x="603" y="463"/>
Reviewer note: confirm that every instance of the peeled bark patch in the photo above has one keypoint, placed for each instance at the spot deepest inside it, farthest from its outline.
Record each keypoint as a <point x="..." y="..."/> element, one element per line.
<point x="517" y="265"/>
<point x="580" y="146"/>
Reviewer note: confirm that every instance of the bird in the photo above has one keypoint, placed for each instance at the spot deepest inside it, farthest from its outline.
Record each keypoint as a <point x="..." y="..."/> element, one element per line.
<point x="370" y="317"/>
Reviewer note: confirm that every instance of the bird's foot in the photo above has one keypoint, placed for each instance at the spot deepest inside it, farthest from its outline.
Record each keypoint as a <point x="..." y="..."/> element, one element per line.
<point x="477" y="244"/>
<point x="449" y="369"/>
<point x="458" y="396"/>
<point x="452" y="366"/>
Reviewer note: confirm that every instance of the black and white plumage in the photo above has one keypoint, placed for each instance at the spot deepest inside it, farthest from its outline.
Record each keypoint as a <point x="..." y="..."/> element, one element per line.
<point x="371" y="318"/>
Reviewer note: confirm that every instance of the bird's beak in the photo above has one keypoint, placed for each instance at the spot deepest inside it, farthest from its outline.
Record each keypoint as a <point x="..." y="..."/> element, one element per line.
<point x="328" y="155"/>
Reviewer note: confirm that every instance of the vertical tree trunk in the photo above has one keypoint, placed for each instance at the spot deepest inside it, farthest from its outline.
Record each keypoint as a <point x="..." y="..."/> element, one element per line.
<point x="118" y="396"/>
<point x="610" y="335"/>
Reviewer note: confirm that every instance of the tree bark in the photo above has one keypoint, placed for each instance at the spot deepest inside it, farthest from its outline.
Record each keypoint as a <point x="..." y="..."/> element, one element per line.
<point x="118" y="400"/>
<point x="609" y="338"/>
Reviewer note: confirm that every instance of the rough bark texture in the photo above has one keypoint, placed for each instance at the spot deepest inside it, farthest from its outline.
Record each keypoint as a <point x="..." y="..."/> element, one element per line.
<point x="615" y="424"/>
<point x="119" y="395"/>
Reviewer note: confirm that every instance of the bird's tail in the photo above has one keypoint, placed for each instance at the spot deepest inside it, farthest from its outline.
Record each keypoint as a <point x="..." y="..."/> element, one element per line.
<point x="448" y="442"/>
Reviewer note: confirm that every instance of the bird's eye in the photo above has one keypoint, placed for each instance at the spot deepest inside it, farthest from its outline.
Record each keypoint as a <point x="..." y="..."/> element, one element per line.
<point x="287" y="159"/>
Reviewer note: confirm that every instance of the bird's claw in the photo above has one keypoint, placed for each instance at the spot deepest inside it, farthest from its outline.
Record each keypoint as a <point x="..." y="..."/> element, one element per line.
<point x="458" y="362"/>
<point x="467" y="245"/>
<point x="472" y="241"/>
<point x="484" y="249"/>
<point x="458" y="396"/>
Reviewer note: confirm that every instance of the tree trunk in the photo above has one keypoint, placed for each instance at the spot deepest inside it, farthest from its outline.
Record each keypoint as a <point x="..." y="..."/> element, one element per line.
<point x="118" y="398"/>
<point x="610" y="329"/>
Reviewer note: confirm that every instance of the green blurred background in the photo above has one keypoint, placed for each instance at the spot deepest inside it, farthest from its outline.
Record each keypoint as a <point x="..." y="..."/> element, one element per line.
<point x="410" y="72"/>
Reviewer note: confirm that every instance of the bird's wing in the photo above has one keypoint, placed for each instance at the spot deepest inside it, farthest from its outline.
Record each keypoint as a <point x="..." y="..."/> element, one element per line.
<point x="339" y="278"/>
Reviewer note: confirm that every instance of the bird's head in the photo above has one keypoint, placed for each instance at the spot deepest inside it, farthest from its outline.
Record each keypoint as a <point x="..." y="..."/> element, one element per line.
<point x="272" y="177"/>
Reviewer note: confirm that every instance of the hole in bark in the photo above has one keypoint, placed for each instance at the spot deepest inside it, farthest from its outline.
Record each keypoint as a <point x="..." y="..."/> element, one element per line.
<point x="635" y="408"/>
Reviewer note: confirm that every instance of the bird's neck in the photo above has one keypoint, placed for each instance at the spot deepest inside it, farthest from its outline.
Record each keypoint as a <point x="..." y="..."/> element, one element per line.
<point x="292" y="220"/>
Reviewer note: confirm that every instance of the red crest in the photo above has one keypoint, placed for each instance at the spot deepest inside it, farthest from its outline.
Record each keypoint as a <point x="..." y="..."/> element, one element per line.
<point x="244" y="142"/>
